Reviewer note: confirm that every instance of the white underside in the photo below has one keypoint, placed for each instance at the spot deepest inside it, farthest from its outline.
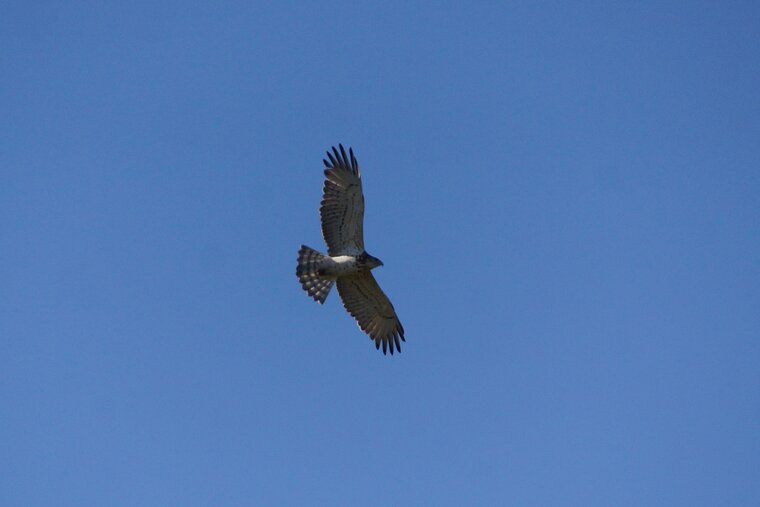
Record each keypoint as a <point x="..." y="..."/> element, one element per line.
<point x="339" y="265"/>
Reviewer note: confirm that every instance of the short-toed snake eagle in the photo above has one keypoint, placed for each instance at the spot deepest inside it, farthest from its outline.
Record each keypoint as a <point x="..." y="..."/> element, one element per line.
<point x="347" y="264"/>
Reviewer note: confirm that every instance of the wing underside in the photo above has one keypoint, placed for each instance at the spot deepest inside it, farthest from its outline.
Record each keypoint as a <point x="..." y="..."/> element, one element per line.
<point x="365" y="301"/>
<point x="342" y="207"/>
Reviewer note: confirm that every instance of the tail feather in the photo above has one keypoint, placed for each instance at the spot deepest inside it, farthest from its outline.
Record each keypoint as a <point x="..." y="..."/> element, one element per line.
<point x="307" y="272"/>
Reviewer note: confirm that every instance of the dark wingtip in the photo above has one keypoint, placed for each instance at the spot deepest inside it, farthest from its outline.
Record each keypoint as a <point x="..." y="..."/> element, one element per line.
<point x="354" y="163"/>
<point x="338" y="158"/>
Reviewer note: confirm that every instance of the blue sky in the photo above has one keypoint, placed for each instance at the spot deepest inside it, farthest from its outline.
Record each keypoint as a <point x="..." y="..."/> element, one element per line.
<point x="564" y="194"/>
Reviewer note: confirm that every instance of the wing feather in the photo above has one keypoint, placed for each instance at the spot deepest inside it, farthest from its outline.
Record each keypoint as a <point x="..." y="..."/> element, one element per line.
<point x="365" y="301"/>
<point x="342" y="207"/>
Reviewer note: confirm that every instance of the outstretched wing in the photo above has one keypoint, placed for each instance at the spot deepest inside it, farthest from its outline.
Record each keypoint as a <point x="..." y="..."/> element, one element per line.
<point x="342" y="209"/>
<point x="372" y="309"/>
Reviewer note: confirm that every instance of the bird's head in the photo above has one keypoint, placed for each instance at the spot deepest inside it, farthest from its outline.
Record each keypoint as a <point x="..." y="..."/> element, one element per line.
<point x="369" y="262"/>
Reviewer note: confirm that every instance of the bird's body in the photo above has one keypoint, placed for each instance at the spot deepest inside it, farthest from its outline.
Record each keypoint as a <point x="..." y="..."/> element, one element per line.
<point x="340" y="265"/>
<point x="347" y="263"/>
<point x="333" y="267"/>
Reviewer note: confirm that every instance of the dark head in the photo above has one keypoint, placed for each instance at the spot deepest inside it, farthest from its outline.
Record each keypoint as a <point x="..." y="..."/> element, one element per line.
<point x="366" y="261"/>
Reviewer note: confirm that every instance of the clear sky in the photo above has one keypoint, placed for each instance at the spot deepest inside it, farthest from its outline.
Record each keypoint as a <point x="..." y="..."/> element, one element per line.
<point x="564" y="194"/>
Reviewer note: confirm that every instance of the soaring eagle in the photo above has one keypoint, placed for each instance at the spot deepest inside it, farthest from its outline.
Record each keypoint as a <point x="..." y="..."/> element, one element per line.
<point x="347" y="263"/>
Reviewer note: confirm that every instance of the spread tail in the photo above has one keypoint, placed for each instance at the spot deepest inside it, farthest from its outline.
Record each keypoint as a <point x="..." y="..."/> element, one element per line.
<point x="307" y="272"/>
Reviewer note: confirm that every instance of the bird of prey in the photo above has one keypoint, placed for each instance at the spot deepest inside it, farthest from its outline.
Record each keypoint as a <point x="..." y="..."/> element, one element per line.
<point x="347" y="264"/>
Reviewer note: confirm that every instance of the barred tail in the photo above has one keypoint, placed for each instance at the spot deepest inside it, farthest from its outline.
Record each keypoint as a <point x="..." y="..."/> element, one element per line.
<point x="308" y="274"/>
